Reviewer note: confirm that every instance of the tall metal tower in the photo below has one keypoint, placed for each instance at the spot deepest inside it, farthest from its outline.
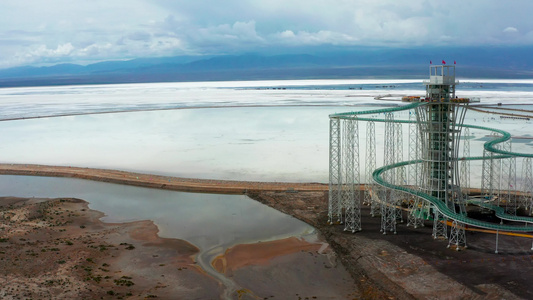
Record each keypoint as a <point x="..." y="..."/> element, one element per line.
<point x="440" y="124"/>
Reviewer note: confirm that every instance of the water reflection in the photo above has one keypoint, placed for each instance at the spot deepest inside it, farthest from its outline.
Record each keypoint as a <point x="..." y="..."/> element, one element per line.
<point x="202" y="219"/>
<point x="211" y="222"/>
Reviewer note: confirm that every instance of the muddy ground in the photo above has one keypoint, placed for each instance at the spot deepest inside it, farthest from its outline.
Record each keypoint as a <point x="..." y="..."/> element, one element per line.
<point x="411" y="264"/>
<point x="59" y="249"/>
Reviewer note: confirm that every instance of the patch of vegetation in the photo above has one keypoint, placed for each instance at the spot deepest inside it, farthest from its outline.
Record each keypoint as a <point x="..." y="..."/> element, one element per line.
<point x="123" y="282"/>
<point x="129" y="246"/>
<point x="49" y="282"/>
<point x="96" y="278"/>
<point x="88" y="269"/>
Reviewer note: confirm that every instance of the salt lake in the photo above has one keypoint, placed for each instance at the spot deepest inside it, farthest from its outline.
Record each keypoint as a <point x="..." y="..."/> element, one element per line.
<point x="256" y="130"/>
<point x="260" y="131"/>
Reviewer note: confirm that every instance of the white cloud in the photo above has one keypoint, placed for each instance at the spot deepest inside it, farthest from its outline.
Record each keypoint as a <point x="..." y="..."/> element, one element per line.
<point x="510" y="30"/>
<point x="95" y="50"/>
<point x="166" y="45"/>
<point x="44" y="52"/>
<point x="243" y="31"/>
<point x="288" y="37"/>
<point x="102" y="29"/>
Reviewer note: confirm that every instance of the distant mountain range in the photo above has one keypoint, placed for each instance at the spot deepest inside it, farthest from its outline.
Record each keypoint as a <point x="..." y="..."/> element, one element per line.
<point x="494" y="62"/>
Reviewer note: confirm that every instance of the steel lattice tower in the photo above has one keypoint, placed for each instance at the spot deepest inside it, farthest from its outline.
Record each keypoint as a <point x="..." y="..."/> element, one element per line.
<point x="401" y="178"/>
<point x="508" y="180"/>
<point x="388" y="197"/>
<point x="440" y="123"/>
<point x="527" y="186"/>
<point x="416" y="205"/>
<point x="439" y="226"/>
<point x="487" y="174"/>
<point x="440" y="127"/>
<point x="465" y="164"/>
<point x="370" y="166"/>
<point x="351" y="196"/>
<point x="335" y="171"/>
<point x="457" y="235"/>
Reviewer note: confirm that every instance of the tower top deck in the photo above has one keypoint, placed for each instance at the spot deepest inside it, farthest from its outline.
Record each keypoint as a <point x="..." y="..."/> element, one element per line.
<point x="441" y="75"/>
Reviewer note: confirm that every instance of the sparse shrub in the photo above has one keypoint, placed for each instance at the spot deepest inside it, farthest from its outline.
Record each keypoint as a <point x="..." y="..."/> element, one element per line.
<point x="123" y="282"/>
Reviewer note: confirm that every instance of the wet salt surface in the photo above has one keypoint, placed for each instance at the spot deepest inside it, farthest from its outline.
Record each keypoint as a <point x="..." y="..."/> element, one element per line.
<point x="280" y="143"/>
<point x="254" y="143"/>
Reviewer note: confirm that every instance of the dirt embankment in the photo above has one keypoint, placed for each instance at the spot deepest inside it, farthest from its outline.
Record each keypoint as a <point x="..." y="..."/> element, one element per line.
<point x="51" y="249"/>
<point x="157" y="181"/>
<point x="411" y="265"/>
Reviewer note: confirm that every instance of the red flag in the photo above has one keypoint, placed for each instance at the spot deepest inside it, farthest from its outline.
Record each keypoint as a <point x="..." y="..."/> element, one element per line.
<point x="430" y="62"/>
<point x="443" y="62"/>
<point x="454" y="62"/>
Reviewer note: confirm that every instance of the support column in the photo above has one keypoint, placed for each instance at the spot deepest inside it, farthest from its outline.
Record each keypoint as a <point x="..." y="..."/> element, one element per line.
<point x="416" y="205"/>
<point x="416" y="212"/>
<point x="370" y="162"/>
<point x="487" y="189"/>
<point x="465" y="164"/>
<point x="351" y="195"/>
<point x="335" y="173"/>
<point x="414" y="150"/>
<point x="388" y="197"/>
<point x="457" y="236"/>
<point x="370" y="165"/>
<point x="508" y="180"/>
<point x="439" y="226"/>
<point x="527" y="185"/>
<point x="401" y="178"/>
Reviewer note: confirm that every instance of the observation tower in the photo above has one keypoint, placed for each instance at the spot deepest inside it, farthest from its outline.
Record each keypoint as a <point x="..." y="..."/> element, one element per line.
<point x="439" y="125"/>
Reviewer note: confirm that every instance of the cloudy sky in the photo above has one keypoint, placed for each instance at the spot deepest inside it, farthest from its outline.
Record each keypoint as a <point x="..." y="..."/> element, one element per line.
<point x="37" y="32"/>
